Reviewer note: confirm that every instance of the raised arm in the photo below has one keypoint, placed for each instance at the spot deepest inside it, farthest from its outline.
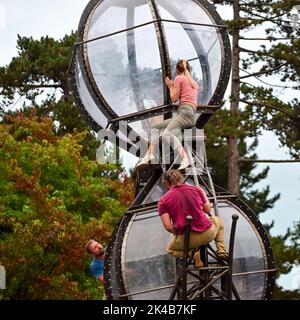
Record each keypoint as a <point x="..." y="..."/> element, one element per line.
<point x="174" y="89"/>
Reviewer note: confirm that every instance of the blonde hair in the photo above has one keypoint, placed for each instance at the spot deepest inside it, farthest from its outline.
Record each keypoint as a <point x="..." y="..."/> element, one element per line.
<point x="172" y="177"/>
<point x="183" y="67"/>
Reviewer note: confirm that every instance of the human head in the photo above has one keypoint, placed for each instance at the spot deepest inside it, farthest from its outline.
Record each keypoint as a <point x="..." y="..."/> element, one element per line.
<point x="172" y="178"/>
<point x="95" y="248"/>
<point x="182" y="66"/>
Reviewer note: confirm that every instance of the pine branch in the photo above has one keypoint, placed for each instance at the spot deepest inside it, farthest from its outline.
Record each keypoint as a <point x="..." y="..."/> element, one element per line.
<point x="247" y="50"/>
<point x="266" y="161"/>
<point x="264" y="19"/>
<point x="36" y="86"/>
<point x="263" y="72"/>
<point x="266" y="39"/>
<point x="258" y="104"/>
<point x="270" y="85"/>
<point x="56" y="86"/>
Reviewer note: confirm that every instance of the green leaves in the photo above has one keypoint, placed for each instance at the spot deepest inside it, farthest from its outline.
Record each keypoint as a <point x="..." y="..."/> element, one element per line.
<point x="41" y="64"/>
<point x="52" y="200"/>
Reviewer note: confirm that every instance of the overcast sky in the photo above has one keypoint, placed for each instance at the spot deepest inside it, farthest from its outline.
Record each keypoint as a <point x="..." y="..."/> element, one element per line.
<point x="56" y="18"/>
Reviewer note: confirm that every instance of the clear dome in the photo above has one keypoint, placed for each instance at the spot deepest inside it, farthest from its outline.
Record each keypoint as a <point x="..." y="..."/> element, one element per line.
<point x="147" y="272"/>
<point x="125" y="49"/>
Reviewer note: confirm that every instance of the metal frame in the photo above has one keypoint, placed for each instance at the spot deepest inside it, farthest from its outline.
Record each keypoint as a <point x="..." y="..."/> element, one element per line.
<point x="162" y="45"/>
<point x="138" y="208"/>
<point x="114" y="263"/>
<point x="206" y="275"/>
<point x="80" y="51"/>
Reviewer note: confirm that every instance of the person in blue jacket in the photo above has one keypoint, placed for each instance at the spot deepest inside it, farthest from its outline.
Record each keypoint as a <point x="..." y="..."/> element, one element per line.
<point x="97" y="265"/>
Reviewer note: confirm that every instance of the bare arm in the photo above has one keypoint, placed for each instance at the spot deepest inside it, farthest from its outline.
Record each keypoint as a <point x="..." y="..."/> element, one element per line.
<point x="166" y="220"/>
<point x="206" y="206"/>
<point x="174" y="90"/>
<point x="101" y="279"/>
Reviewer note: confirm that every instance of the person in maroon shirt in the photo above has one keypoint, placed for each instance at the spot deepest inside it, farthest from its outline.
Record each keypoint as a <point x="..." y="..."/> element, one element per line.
<point x="180" y="201"/>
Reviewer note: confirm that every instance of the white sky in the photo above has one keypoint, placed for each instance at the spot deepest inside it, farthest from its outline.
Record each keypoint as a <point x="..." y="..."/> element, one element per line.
<point x="56" y="18"/>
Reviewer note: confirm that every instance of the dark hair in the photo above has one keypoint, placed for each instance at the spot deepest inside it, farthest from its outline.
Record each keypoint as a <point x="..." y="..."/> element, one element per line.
<point x="87" y="246"/>
<point x="172" y="177"/>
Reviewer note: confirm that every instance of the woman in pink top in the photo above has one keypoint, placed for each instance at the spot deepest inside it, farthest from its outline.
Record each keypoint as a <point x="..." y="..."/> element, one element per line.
<point x="185" y="90"/>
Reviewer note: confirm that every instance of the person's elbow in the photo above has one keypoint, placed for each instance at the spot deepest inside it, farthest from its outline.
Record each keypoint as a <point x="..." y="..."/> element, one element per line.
<point x="207" y="207"/>
<point x="101" y="278"/>
<point x="174" y="97"/>
<point x="174" y="94"/>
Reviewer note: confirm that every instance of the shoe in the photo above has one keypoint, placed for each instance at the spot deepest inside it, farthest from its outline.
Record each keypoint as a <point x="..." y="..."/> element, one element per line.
<point x="184" y="163"/>
<point x="144" y="161"/>
<point x="197" y="260"/>
<point x="222" y="256"/>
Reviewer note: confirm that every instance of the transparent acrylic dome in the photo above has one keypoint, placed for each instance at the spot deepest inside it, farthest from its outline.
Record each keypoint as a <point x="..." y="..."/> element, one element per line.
<point x="147" y="272"/>
<point x="125" y="49"/>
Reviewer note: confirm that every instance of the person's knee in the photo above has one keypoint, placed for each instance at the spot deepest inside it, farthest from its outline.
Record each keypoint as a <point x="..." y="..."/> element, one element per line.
<point x="167" y="134"/>
<point x="221" y="223"/>
<point x="176" y="254"/>
<point x="172" y="135"/>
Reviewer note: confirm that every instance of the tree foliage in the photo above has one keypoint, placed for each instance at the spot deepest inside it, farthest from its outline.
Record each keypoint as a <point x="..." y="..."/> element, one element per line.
<point x="256" y="104"/>
<point x="52" y="200"/>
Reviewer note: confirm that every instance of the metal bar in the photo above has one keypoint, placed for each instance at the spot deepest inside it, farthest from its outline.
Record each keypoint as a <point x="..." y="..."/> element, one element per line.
<point x="191" y="160"/>
<point x="150" y="290"/>
<point x="72" y="59"/>
<point x="147" y="113"/>
<point x="145" y="218"/>
<point x="136" y="116"/>
<point x="230" y="260"/>
<point x="204" y="258"/>
<point x="268" y="161"/>
<point x="215" y="202"/>
<point x="163" y="48"/>
<point x="219" y="293"/>
<point x="253" y="272"/>
<point x="185" y="255"/>
<point x="132" y="60"/>
<point x="175" y="289"/>
<point x="143" y="207"/>
<point x="209" y="284"/>
<point x="116" y="32"/>
<point x="145" y="24"/>
<point x="209" y="268"/>
<point x="235" y="292"/>
<point x="142" y="211"/>
<point x="197" y="276"/>
<point x="225" y="197"/>
<point x="195" y="23"/>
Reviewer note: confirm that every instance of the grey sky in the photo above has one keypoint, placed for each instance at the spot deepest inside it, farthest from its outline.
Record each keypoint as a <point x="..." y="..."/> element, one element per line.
<point x="56" y="18"/>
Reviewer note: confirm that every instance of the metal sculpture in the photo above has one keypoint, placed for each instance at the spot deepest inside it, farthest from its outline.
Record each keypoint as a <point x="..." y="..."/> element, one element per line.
<point x="124" y="50"/>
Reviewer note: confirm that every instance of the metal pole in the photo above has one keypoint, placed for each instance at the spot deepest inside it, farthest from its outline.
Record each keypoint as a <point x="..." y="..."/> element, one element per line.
<point x="230" y="259"/>
<point x="185" y="256"/>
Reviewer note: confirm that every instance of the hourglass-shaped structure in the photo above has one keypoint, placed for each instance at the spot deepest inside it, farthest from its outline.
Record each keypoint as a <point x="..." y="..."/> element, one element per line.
<point x="123" y="52"/>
